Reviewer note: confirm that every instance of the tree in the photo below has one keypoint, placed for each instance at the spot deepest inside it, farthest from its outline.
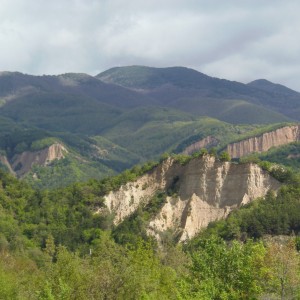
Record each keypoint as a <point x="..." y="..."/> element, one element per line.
<point x="145" y="277"/>
<point x="283" y="261"/>
<point x="221" y="271"/>
<point x="50" y="247"/>
<point x="224" y="156"/>
<point x="213" y="151"/>
<point x="164" y="156"/>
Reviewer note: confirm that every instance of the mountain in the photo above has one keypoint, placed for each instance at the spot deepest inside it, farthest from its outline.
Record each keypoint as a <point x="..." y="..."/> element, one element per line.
<point x="280" y="92"/>
<point x="126" y="116"/>
<point x="77" y="103"/>
<point x="192" y="91"/>
<point x="269" y="86"/>
<point x="14" y="85"/>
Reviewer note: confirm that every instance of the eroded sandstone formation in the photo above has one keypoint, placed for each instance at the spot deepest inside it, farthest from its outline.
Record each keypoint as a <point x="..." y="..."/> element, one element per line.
<point x="207" y="142"/>
<point x="204" y="190"/>
<point x="21" y="163"/>
<point x="264" y="142"/>
<point x="4" y="161"/>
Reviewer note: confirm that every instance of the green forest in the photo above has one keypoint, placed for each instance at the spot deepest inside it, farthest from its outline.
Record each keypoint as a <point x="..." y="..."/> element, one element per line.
<point x="53" y="246"/>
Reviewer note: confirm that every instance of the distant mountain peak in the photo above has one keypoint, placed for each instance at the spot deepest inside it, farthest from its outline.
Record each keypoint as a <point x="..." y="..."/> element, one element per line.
<point x="261" y="81"/>
<point x="145" y="78"/>
<point x="8" y="73"/>
<point x="75" y="75"/>
<point x="267" y="85"/>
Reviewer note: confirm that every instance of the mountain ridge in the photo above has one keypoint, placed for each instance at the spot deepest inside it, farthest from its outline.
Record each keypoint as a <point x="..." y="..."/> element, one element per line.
<point x="178" y="88"/>
<point x="169" y="86"/>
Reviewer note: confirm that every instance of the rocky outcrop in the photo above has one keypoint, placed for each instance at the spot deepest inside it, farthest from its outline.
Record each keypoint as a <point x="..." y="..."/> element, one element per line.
<point x="205" y="190"/>
<point x="207" y="142"/>
<point x="22" y="163"/>
<point x="264" y="142"/>
<point x="6" y="164"/>
<point x="128" y="198"/>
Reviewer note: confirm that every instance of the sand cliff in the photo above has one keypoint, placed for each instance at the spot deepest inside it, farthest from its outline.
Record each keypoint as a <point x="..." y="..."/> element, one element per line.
<point x="206" y="190"/>
<point x="265" y="141"/>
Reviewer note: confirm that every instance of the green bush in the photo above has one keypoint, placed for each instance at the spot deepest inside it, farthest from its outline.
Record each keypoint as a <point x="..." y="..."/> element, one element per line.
<point x="43" y="143"/>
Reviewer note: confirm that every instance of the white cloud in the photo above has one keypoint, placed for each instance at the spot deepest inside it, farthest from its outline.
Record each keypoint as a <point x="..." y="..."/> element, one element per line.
<point x="239" y="40"/>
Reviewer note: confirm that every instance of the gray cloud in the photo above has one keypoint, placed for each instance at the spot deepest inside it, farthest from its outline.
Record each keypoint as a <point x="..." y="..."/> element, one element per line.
<point x="237" y="40"/>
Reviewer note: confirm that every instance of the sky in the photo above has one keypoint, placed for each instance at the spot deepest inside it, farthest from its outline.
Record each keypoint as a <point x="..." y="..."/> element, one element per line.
<point x="240" y="40"/>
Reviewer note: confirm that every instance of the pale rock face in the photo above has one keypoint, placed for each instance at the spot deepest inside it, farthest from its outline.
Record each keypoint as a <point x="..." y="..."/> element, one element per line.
<point x="41" y="157"/>
<point x="5" y="162"/>
<point x="264" y="142"/>
<point x="208" y="141"/>
<point x="207" y="190"/>
<point x="127" y="199"/>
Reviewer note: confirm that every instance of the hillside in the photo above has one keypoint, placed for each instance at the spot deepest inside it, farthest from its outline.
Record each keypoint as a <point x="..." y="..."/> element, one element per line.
<point x="204" y="95"/>
<point x="133" y="137"/>
<point x="75" y="103"/>
<point x="26" y="152"/>
<point x="80" y="103"/>
<point x="126" y="116"/>
<point x="125" y="144"/>
<point x="288" y="155"/>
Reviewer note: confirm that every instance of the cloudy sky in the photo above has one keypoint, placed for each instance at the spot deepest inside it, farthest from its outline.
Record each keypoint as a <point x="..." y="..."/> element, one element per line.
<point x="239" y="40"/>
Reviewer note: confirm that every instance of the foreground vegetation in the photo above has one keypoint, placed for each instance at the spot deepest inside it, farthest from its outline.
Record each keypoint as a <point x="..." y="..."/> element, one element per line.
<point x="53" y="246"/>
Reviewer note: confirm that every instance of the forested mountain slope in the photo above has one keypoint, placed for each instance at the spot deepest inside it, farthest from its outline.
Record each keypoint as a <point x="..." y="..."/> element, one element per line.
<point x="192" y="91"/>
<point x="128" y="115"/>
